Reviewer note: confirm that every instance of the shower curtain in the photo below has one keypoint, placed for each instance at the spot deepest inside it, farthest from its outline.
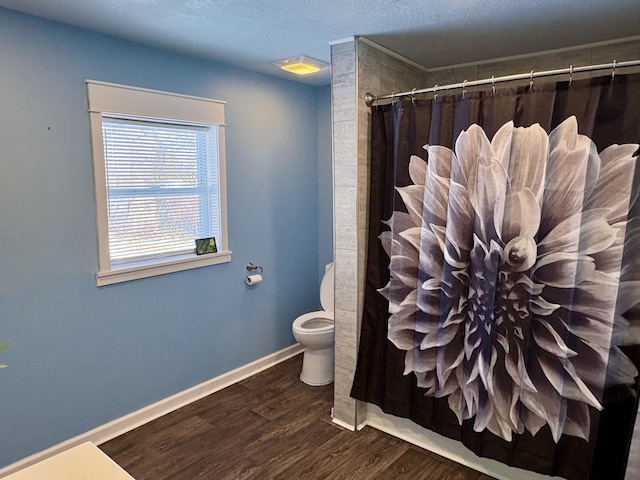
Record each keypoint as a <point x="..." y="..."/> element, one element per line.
<point x="502" y="296"/>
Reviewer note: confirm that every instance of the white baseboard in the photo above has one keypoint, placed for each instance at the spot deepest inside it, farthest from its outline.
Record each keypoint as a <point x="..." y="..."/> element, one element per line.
<point x="347" y="425"/>
<point x="135" y="419"/>
<point x="453" y="450"/>
<point x="343" y="424"/>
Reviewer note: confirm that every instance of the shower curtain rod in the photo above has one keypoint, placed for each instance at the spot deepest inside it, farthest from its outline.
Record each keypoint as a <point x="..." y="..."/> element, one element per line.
<point x="370" y="99"/>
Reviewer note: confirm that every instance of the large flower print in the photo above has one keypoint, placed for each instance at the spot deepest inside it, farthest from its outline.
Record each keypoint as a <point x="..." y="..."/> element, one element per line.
<point x="505" y="287"/>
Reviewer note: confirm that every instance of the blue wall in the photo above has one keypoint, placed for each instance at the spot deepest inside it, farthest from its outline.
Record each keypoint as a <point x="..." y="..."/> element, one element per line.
<point x="325" y="181"/>
<point x="82" y="355"/>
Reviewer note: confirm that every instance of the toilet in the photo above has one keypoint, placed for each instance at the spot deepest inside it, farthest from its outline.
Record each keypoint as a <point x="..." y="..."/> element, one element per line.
<point x="314" y="331"/>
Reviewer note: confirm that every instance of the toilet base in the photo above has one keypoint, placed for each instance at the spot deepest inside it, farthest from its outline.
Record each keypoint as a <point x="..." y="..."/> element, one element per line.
<point x="317" y="366"/>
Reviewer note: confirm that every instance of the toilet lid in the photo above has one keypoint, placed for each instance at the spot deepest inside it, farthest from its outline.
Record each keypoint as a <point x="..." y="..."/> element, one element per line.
<point x="326" y="290"/>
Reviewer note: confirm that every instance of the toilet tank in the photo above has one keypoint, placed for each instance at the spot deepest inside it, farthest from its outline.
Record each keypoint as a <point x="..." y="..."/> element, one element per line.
<point x="327" y="289"/>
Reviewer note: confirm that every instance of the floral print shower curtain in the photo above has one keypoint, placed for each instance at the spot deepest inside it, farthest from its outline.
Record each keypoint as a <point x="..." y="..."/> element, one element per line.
<point x="502" y="300"/>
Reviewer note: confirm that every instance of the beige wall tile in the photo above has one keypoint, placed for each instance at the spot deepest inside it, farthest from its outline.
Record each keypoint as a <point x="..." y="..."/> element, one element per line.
<point x="345" y="153"/>
<point x="344" y="47"/>
<point x="538" y="63"/>
<point x="343" y="63"/>
<point x="346" y="284"/>
<point x="617" y="52"/>
<point x="451" y="75"/>
<point x="345" y="217"/>
<point x="345" y="407"/>
<point x="343" y="97"/>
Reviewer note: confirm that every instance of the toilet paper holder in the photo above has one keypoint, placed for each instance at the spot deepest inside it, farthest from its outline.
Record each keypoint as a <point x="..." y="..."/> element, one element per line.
<point x="251" y="267"/>
<point x="255" y="277"/>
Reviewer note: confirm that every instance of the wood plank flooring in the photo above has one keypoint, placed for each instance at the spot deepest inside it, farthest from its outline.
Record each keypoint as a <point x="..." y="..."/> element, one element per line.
<point x="271" y="426"/>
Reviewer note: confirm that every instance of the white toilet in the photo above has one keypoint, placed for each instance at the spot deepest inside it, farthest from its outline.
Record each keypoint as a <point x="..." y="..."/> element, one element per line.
<point x="314" y="331"/>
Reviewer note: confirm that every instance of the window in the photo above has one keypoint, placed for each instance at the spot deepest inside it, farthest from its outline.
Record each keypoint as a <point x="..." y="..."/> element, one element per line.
<point x="159" y="180"/>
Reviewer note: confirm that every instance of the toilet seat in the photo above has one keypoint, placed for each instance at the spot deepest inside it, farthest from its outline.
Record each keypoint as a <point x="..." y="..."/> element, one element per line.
<point x="305" y="323"/>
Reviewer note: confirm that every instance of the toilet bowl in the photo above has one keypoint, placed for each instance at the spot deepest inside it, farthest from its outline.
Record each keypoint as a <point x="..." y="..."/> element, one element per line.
<point x="314" y="331"/>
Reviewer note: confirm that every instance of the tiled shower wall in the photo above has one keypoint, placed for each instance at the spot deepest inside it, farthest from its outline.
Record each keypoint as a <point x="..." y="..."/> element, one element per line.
<point x="345" y="189"/>
<point x="357" y="66"/>
<point x="588" y="55"/>
<point x="360" y="66"/>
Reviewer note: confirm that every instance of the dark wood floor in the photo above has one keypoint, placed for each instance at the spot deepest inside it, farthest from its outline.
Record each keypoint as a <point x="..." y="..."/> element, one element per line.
<point x="271" y="426"/>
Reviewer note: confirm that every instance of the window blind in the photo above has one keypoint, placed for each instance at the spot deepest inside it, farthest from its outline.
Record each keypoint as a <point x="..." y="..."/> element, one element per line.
<point x="162" y="187"/>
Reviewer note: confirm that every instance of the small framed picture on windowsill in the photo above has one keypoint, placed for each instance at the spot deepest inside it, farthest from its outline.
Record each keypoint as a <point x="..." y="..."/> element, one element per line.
<point x="206" y="245"/>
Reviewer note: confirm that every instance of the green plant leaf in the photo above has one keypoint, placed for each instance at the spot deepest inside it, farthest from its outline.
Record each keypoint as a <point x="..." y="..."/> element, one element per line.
<point x="2" y="347"/>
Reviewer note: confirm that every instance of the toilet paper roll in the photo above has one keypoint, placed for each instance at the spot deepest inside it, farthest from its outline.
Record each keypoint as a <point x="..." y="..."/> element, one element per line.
<point x="253" y="279"/>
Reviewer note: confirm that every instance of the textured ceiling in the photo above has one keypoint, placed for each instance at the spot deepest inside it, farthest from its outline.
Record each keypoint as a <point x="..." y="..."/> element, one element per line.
<point x="252" y="34"/>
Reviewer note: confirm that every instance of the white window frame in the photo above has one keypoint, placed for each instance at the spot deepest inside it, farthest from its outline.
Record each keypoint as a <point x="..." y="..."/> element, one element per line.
<point x="121" y="100"/>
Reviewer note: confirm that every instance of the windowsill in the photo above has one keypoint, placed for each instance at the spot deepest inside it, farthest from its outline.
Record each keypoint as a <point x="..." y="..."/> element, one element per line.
<point x="151" y="268"/>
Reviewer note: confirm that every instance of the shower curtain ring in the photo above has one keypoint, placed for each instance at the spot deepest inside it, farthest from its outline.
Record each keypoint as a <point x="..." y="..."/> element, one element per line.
<point x="570" y="74"/>
<point x="464" y="88"/>
<point x="493" y="84"/>
<point x="435" y="93"/>
<point x="613" y="71"/>
<point x="531" y="81"/>
<point x="393" y="98"/>
<point x="413" y="96"/>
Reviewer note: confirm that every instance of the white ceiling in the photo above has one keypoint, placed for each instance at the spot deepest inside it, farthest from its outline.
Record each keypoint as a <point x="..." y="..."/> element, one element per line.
<point x="252" y="34"/>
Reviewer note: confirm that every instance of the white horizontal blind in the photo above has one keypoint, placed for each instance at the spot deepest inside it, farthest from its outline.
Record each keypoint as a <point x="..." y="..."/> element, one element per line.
<point x="162" y="187"/>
